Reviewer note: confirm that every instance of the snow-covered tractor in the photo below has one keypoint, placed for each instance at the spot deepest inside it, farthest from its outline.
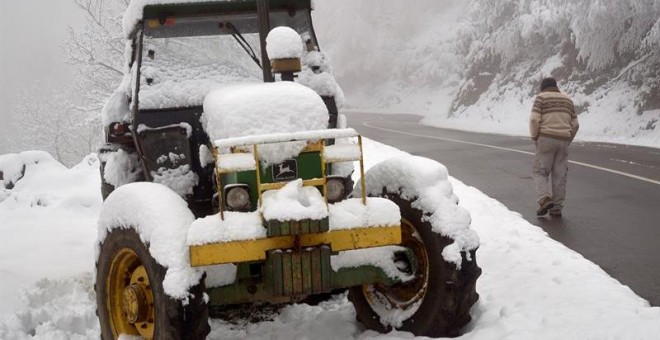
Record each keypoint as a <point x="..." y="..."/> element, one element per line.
<point x="227" y="181"/>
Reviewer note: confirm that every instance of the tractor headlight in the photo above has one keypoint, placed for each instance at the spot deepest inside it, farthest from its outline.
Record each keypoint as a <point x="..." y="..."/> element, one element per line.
<point x="335" y="188"/>
<point x="237" y="197"/>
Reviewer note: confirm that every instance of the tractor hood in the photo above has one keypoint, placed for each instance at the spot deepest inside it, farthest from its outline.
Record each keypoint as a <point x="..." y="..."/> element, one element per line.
<point x="264" y="108"/>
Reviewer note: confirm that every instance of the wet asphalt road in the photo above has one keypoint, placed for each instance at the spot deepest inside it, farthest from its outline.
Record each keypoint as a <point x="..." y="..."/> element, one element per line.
<point x="612" y="209"/>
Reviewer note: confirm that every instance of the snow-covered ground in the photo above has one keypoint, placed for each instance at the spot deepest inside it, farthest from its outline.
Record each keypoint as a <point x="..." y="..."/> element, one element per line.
<point x="531" y="288"/>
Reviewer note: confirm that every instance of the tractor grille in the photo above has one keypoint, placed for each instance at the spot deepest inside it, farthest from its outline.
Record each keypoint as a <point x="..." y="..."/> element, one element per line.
<point x="277" y="228"/>
<point x="299" y="272"/>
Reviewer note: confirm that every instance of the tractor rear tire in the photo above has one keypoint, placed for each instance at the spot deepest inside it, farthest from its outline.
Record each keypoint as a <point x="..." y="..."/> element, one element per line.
<point x="130" y="296"/>
<point x="437" y="302"/>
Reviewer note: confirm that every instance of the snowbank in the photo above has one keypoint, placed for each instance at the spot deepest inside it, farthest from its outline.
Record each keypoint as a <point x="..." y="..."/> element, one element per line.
<point x="557" y="293"/>
<point x="12" y="168"/>
<point x="47" y="222"/>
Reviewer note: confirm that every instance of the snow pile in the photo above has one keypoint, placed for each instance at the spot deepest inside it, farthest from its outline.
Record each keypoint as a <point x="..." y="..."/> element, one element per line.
<point x="293" y="202"/>
<point x="351" y="213"/>
<point x="558" y="293"/>
<point x="56" y="309"/>
<point x="181" y="179"/>
<point x="12" y="168"/>
<point x="342" y="152"/>
<point x="424" y="182"/>
<point x="180" y="83"/>
<point x="381" y="257"/>
<point x="317" y="75"/>
<point x="117" y="109"/>
<point x="47" y="183"/>
<point x="257" y="109"/>
<point x="236" y="162"/>
<point x="46" y="228"/>
<point x="205" y="156"/>
<point x="311" y="135"/>
<point x="343" y="169"/>
<point x="161" y="218"/>
<point x="121" y="167"/>
<point x="284" y="43"/>
<point x="236" y="226"/>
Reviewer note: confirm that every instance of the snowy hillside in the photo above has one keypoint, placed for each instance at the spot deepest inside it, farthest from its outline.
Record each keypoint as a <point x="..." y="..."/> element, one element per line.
<point x="477" y="64"/>
<point x="531" y="287"/>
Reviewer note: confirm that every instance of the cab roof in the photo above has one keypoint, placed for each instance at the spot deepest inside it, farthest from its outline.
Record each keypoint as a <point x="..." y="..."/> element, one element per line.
<point x="157" y="11"/>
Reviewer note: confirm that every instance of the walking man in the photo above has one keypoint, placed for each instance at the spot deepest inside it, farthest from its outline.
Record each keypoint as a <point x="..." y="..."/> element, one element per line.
<point x="553" y="125"/>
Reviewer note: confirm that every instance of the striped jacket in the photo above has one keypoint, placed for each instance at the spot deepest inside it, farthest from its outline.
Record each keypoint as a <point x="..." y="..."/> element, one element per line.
<point x="553" y="115"/>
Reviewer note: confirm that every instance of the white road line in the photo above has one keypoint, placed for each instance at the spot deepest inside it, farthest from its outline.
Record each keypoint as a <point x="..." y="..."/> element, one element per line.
<point x="616" y="172"/>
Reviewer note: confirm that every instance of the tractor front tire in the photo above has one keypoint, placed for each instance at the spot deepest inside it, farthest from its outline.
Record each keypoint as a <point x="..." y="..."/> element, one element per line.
<point x="130" y="296"/>
<point x="437" y="302"/>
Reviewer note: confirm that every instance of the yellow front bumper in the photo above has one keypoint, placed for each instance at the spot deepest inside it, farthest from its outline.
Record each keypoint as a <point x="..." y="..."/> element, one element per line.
<point x="255" y="250"/>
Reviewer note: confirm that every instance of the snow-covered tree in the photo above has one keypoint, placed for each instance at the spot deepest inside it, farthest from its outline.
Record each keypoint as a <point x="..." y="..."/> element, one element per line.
<point x="97" y="51"/>
<point x="67" y="122"/>
<point x="54" y="123"/>
<point x="587" y="44"/>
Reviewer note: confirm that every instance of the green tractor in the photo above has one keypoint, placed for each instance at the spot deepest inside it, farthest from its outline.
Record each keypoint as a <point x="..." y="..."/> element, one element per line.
<point x="218" y="196"/>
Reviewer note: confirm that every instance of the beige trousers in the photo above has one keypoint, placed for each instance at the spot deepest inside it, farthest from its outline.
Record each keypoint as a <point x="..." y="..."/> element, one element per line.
<point x="550" y="169"/>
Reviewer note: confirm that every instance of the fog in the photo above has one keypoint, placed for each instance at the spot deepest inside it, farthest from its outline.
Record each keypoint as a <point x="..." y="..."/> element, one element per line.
<point x="31" y="34"/>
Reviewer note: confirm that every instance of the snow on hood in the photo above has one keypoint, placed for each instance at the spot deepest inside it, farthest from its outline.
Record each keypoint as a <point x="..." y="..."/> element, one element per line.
<point x="264" y="108"/>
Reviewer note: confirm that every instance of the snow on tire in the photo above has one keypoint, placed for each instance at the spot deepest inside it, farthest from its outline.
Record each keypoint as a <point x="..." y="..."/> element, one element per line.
<point x="438" y="301"/>
<point x="130" y="296"/>
<point x="144" y="282"/>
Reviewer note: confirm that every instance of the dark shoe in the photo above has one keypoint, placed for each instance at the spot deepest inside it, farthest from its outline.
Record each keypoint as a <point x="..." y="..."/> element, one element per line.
<point x="555" y="213"/>
<point x="544" y="206"/>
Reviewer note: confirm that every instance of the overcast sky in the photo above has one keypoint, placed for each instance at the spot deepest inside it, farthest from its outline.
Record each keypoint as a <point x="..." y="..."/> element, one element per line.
<point x="31" y="33"/>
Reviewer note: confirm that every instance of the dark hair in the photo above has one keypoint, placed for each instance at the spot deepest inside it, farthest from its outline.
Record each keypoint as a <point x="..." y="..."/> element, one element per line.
<point x="547" y="83"/>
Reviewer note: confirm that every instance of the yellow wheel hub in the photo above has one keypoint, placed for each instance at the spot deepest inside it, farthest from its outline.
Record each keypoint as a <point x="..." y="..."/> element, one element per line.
<point x="129" y="297"/>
